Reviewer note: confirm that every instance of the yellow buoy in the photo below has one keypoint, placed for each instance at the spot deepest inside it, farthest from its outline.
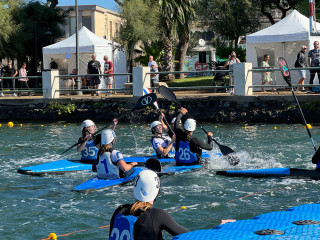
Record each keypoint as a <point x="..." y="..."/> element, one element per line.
<point x="52" y="236"/>
<point x="20" y="124"/>
<point x="10" y="124"/>
<point x="275" y="127"/>
<point x="135" y="126"/>
<point x="41" y="125"/>
<point x="0" y="125"/>
<point x="184" y="207"/>
<point x="215" y="126"/>
<point x="309" y="126"/>
<point x="64" y="125"/>
<point x="245" y="127"/>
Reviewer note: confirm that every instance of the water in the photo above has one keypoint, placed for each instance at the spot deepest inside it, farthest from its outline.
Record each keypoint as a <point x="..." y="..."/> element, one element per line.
<point x="32" y="207"/>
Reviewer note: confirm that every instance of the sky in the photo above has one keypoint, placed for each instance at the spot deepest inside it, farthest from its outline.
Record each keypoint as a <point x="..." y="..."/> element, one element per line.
<point x="108" y="4"/>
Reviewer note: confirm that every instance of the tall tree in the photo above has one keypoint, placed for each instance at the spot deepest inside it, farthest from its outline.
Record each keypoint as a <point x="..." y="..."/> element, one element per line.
<point x="187" y="15"/>
<point x="231" y="19"/>
<point x="141" y="24"/>
<point x="7" y="26"/>
<point x="40" y="26"/>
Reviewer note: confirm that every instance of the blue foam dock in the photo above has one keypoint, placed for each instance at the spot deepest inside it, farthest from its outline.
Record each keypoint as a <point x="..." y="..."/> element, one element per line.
<point x="301" y="223"/>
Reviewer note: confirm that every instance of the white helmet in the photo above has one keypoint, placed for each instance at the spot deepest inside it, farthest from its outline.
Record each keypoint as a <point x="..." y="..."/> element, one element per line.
<point x="146" y="186"/>
<point x="154" y="124"/>
<point x="86" y="124"/>
<point x="107" y="136"/>
<point x="190" y="125"/>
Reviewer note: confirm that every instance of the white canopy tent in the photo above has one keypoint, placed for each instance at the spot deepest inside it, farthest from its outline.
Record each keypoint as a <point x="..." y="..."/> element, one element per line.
<point x="283" y="39"/>
<point x="64" y="54"/>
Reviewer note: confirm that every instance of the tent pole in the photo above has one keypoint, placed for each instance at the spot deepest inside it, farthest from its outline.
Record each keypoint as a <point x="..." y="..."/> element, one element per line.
<point x="78" y="82"/>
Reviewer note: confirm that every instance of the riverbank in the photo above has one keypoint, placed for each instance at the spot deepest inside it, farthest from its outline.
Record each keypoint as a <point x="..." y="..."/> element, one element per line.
<point x="262" y="107"/>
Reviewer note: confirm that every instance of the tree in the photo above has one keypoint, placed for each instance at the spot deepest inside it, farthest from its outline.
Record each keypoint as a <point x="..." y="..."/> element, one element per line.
<point x="7" y="26"/>
<point x="141" y="24"/>
<point x="266" y="6"/>
<point x="187" y="15"/>
<point x="231" y="19"/>
<point x="39" y="27"/>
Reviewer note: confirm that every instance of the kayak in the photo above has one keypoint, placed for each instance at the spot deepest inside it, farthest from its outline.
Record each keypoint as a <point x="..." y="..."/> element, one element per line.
<point x="300" y="222"/>
<point x="67" y="165"/>
<point x="273" y="172"/>
<point x="98" y="184"/>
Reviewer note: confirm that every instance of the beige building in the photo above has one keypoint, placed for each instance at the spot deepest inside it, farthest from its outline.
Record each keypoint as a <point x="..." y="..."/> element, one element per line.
<point x="101" y="21"/>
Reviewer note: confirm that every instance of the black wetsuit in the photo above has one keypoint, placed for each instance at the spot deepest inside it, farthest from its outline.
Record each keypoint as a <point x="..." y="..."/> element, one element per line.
<point x="196" y="145"/>
<point x="150" y="223"/>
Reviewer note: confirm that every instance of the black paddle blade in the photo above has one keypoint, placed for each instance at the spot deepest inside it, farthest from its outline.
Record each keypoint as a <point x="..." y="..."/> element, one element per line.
<point x="227" y="152"/>
<point x="285" y="70"/>
<point x="316" y="157"/>
<point x="167" y="94"/>
<point x="146" y="100"/>
<point x="153" y="164"/>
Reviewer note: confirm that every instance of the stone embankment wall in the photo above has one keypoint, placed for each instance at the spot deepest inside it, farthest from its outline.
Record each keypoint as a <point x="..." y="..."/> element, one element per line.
<point x="226" y="109"/>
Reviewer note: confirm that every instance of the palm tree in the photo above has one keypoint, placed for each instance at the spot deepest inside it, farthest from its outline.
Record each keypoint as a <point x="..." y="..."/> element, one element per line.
<point x="186" y="17"/>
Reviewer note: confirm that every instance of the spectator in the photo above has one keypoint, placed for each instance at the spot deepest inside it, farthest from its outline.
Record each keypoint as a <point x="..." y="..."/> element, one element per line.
<point x="152" y="62"/>
<point x="314" y="61"/>
<point x="266" y="76"/>
<point x="53" y="64"/>
<point x="85" y="80"/>
<point x="301" y="63"/>
<point x="232" y="59"/>
<point x="94" y="67"/>
<point x="154" y="77"/>
<point x="23" y="81"/>
<point x="12" y="72"/>
<point x="1" y="81"/>
<point x="108" y="69"/>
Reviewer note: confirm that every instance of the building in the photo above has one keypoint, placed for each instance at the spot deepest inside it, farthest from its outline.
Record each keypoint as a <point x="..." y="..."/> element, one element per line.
<point x="101" y="21"/>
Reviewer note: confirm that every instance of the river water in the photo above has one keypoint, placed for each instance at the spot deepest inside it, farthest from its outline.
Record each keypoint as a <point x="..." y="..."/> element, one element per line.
<point x="32" y="207"/>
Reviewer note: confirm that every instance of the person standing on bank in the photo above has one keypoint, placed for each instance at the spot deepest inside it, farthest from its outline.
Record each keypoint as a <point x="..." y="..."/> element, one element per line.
<point x="301" y="63"/>
<point x="23" y="81"/>
<point x="266" y="76"/>
<point x="94" y="67"/>
<point x="314" y="61"/>
<point x="154" y="78"/>
<point x="232" y="59"/>
<point x="189" y="148"/>
<point x="108" y="69"/>
<point x="142" y="221"/>
<point x="1" y="81"/>
<point x="151" y="61"/>
<point x="12" y="72"/>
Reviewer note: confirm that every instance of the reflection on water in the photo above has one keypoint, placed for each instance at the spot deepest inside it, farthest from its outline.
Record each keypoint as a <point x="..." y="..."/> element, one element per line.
<point x="35" y="206"/>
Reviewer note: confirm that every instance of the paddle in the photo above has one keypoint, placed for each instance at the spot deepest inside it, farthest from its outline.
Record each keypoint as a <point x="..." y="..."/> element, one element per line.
<point x="169" y="95"/>
<point x="142" y="102"/>
<point x="286" y="75"/>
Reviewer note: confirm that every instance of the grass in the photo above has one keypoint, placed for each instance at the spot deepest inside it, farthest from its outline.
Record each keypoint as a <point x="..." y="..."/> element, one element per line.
<point x="191" y="82"/>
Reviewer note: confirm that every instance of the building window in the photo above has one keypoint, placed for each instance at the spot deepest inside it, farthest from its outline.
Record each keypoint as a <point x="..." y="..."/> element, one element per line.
<point x="111" y="33"/>
<point x="86" y="22"/>
<point x="72" y="22"/>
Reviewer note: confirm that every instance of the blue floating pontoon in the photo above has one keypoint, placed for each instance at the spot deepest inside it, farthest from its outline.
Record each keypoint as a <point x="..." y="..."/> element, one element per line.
<point x="301" y="223"/>
<point x="273" y="172"/>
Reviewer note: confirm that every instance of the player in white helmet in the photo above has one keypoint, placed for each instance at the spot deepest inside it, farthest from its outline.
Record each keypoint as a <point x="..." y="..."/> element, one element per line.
<point x="110" y="163"/>
<point x="88" y="143"/>
<point x="189" y="148"/>
<point x="141" y="220"/>
<point x="161" y="143"/>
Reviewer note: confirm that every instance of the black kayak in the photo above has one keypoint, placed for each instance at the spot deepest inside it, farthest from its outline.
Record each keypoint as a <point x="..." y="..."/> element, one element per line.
<point x="273" y="172"/>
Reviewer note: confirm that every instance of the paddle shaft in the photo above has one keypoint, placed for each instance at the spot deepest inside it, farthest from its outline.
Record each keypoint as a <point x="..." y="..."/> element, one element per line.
<point x="303" y="118"/>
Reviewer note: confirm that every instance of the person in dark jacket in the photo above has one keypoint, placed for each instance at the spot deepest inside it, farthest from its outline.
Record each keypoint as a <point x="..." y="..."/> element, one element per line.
<point x="301" y="62"/>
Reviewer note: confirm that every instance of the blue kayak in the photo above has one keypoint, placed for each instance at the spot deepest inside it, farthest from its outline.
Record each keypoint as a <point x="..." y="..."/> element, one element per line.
<point x="98" y="184"/>
<point x="273" y="172"/>
<point x="301" y="222"/>
<point x="67" y="165"/>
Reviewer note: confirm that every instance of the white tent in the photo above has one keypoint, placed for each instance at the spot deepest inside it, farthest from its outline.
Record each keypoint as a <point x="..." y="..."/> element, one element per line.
<point x="64" y="53"/>
<point x="284" y="39"/>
